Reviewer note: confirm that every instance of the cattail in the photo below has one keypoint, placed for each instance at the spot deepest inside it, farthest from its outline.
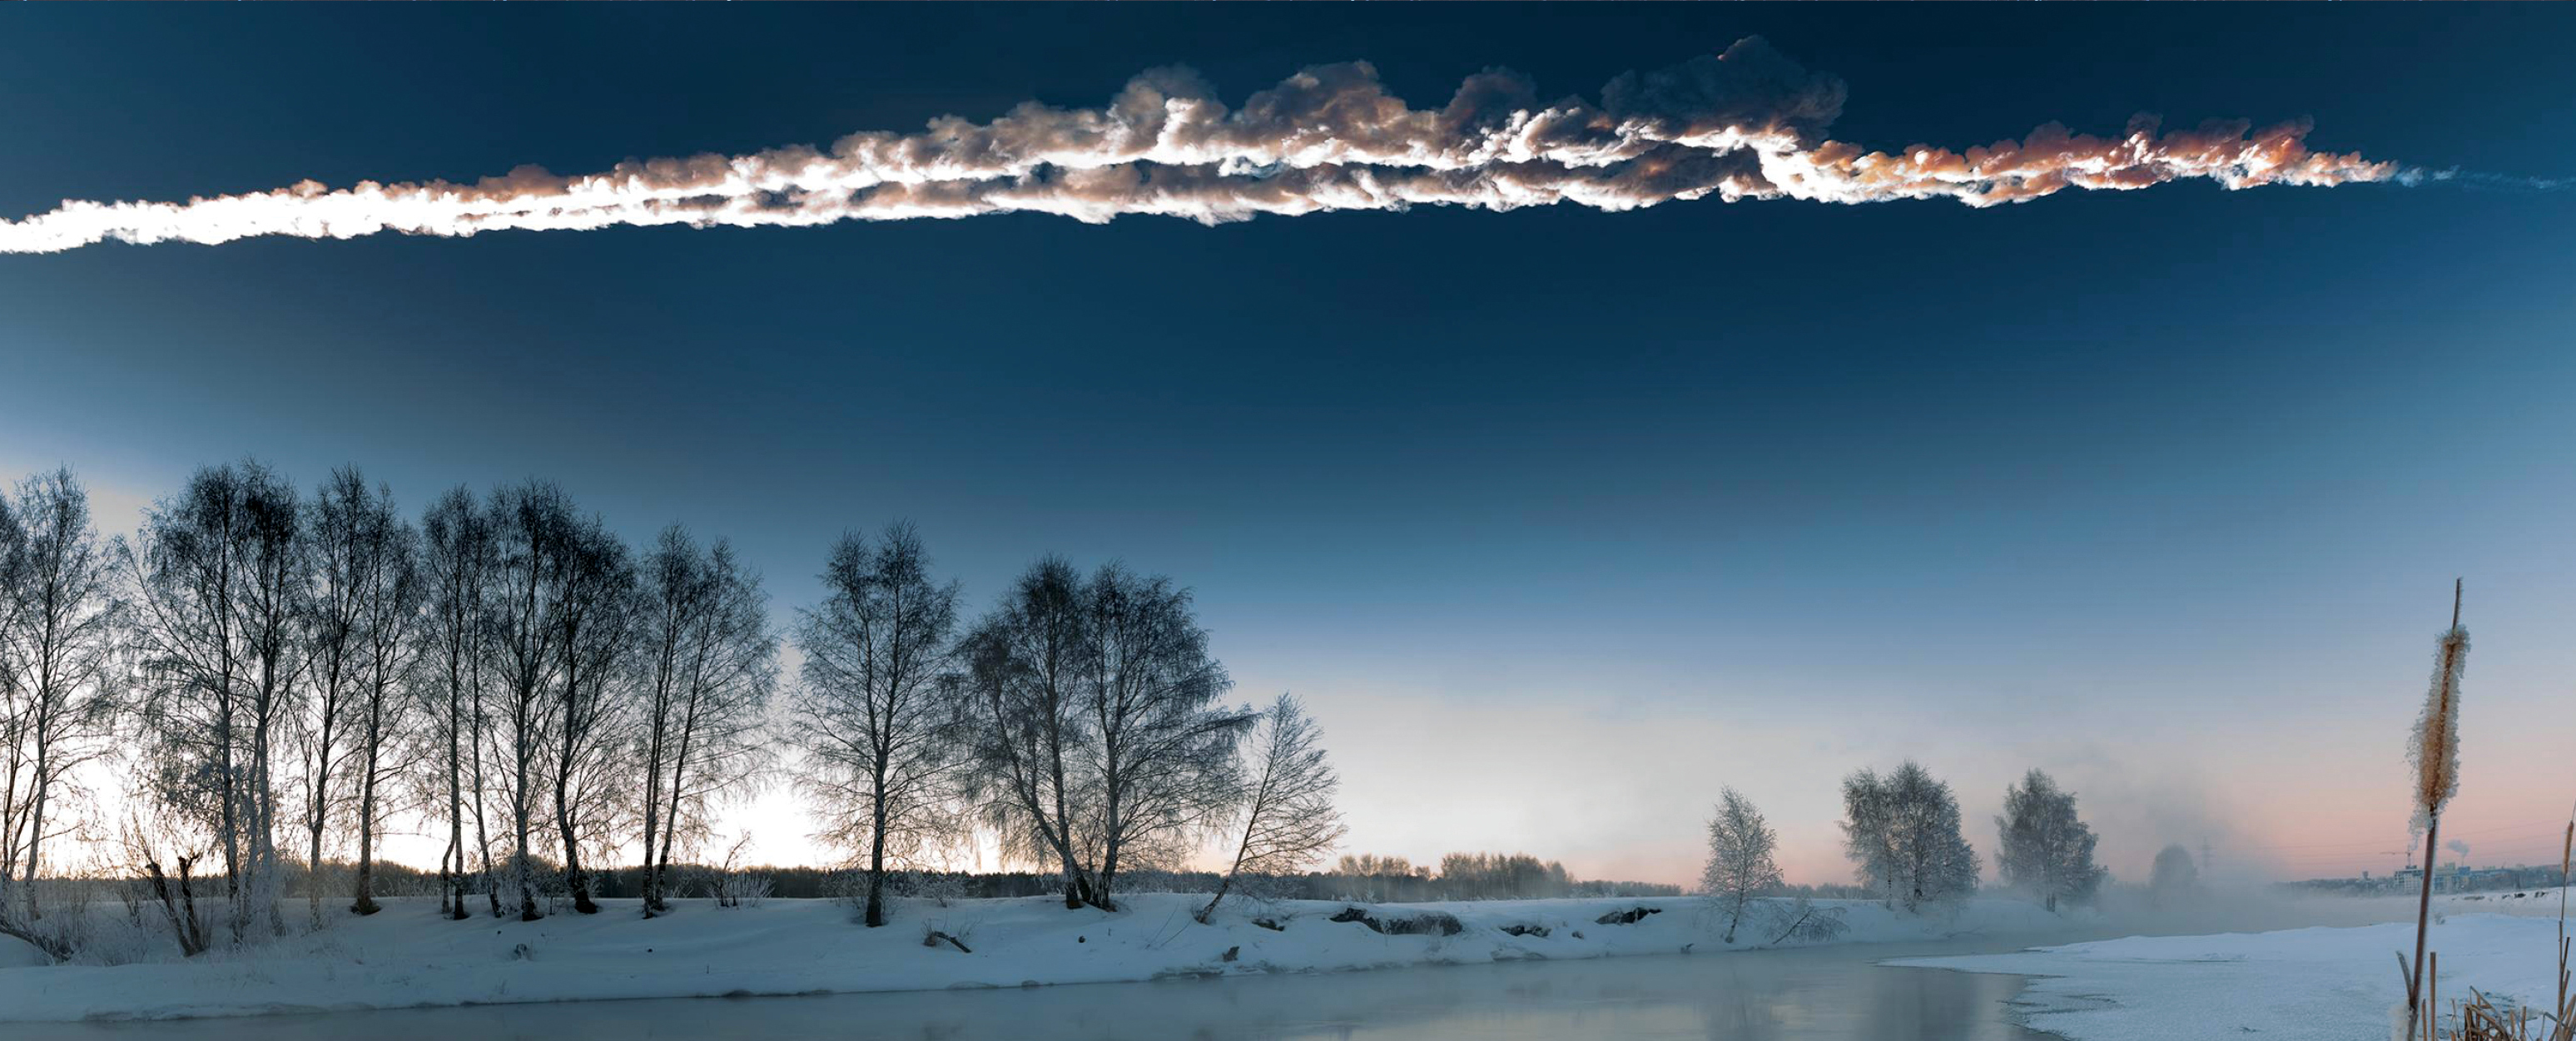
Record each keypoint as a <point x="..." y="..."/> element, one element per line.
<point x="2566" y="1009"/>
<point x="2434" y="748"/>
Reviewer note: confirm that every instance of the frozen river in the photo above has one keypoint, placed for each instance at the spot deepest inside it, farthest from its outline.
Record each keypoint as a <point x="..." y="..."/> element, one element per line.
<point x="1822" y="994"/>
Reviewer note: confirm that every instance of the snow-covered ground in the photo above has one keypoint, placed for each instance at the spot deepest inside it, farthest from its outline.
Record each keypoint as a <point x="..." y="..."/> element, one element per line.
<point x="2300" y="983"/>
<point x="2312" y="984"/>
<point x="406" y="956"/>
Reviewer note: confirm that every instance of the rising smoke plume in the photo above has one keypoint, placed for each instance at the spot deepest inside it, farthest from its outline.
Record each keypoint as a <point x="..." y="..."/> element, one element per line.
<point x="1745" y="124"/>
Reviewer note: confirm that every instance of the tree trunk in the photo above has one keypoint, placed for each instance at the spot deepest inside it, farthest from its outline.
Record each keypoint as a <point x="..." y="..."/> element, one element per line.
<point x="181" y="910"/>
<point x="1222" y="885"/>
<point x="455" y="883"/>
<point x="652" y="889"/>
<point x="313" y="873"/>
<point x="519" y="857"/>
<point x="876" y="881"/>
<point x="35" y="834"/>
<point x="574" y="879"/>
<point x="671" y="823"/>
<point x="1101" y="889"/>
<point x="365" y="904"/>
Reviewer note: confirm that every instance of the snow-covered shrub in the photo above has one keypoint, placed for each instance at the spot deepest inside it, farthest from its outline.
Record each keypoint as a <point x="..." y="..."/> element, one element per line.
<point x="94" y="921"/>
<point x="729" y="885"/>
<point x="127" y="930"/>
<point x="1420" y="923"/>
<point x="1802" y="921"/>
<point x="736" y="888"/>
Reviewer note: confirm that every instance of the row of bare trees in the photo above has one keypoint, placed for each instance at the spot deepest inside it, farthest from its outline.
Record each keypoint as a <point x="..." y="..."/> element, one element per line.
<point x="1081" y="720"/>
<point x="294" y="670"/>
<point x="290" y="671"/>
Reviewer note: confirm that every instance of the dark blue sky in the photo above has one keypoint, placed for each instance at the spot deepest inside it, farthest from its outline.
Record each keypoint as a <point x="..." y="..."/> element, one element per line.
<point x="1699" y="494"/>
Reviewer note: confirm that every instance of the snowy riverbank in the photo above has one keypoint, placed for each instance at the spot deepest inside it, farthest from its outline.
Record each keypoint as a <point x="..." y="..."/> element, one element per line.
<point x="2312" y="984"/>
<point x="407" y="957"/>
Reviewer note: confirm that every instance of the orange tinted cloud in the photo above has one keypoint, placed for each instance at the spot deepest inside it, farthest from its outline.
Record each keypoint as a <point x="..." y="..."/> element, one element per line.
<point x="1747" y="123"/>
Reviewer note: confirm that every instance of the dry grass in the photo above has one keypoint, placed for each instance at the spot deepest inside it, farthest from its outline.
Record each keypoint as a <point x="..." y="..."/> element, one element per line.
<point x="2478" y="1019"/>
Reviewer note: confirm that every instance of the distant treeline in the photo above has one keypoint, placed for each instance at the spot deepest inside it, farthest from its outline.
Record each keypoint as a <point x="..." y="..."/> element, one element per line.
<point x="2481" y="880"/>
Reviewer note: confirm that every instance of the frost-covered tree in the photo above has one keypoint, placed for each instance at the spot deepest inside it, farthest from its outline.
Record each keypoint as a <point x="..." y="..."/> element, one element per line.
<point x="2043" y="846"/>
<point x="2173" y="876"/>
<point x="1288" y="816"/>
<point x="879" y="710"/>
<point x="1902" y="831"/>
<point x="60" y="614"/>
<point x="710" y="664"/>
<point x="1740" y="863"/>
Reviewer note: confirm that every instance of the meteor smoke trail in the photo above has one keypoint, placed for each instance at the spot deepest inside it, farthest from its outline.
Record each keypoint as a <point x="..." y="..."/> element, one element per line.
<point x="2416" y="178"/>
<point x="1745" y="124"/>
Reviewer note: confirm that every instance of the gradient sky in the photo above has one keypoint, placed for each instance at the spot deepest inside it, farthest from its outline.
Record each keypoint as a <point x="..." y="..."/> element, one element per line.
<point x="1559" y="519"/>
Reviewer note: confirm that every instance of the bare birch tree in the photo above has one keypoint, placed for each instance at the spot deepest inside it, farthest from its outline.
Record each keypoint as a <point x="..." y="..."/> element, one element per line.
<point x="332" y="617"/>
<point x="596" y="616"/>
<point x="59" y="619"/>
<point x="1165" y="754"/>
<point x="1023" y="666"/>
<point x="1289" y="820"/>
<point x="390" y="598"/>
<point x="877" y="713"/>
<point x="457" y="569"/>
<point x="271" y="602"/>
<point x="529" y="528"/>
<point x="711" y="663"/>
<point x="218" y="568"/>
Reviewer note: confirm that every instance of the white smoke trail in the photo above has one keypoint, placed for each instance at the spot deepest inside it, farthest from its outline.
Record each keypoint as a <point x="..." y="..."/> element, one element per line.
<point x="2456" y="177"/>
<point x="1744" y="124"/>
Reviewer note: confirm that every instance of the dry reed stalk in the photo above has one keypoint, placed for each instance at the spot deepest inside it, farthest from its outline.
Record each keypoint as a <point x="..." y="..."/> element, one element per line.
<point x="2435" y="752"/>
